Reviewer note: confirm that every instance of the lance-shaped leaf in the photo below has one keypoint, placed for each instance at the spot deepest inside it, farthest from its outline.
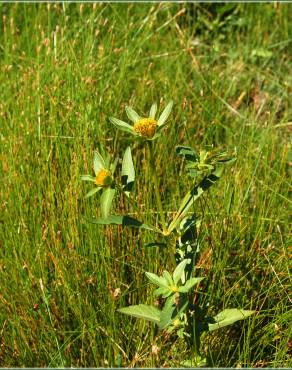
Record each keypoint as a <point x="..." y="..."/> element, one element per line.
<point x="120" y="220"/>
<point x="164" y="115"/>
<point x="228" y="317"/>
<point x="157" y="280"/>
<point x="153" y="111"/>
<point x="132" y="115"/>
<point x="155" y="244"/>
<point x="128" y="171"/>
<point x="177" y="315"/>
<point x="113" y="166"/>
<point x="92" y="192"/>
<point x="98" y="163"/>
<point x="188" y="230"/>
<point x="142" y="311"/>
<point x="106" y="200"/>
<point x="164" y="292"/>
<point x="167" y="312"/>
<point x="122" y="125"/>
<point x="168" y="278"/>
<point x="87" y="178"/>
<point x="189" y="284"/>
<point x="196" y="361"/>
<point x="179" y="270"/>
<point x="193" y="195"/>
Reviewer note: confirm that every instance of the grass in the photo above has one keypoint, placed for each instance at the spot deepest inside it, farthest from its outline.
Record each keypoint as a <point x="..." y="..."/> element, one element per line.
<point x="65" y="68"/>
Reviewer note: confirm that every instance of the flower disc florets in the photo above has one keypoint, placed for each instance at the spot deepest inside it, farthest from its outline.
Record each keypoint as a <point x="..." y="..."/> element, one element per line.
<point x="174" y="289"/>
<point x="176" y="322"/>
<point x="146" y="127"/>
<point x="104" y="178"/>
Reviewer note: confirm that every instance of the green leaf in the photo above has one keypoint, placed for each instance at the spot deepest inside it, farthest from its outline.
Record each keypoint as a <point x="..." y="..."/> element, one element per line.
<point x="168" y="278"/>
<point x="155" y="244"/>
<point x="113" y="166"/>
<point x="93" y="191"/>
<point x="87" y="178"/>
<point x="178" y="314"/>
<point x="153" y="110"/>
<point x="128" y="171"/>
<point x="165" y="114"/>
<point x="106" y="200"/>
<point x="188" y="230"/>
<point x="98" y="163"/>
<point x="142" y="311"/>
<point x="261" y="53"/>
<point x="167" y="312"/>
<point x="189" y="284"/>
<point x="228" y="317"/>
<point x="122" y="125"/>
<point x="120" y="220"/>
<point x="187" y="153"/>
<point x="132" y="115"/>
<point x="157" y="280"/>
<point x="195" y="361"/>
<point x="165" y="292"/>
<point x="107" y="161"/>
<point x="179" y="270"/>
<point x="182" y="308"/>
<point x="180" y="333"/>
<point x="193" y="195"/>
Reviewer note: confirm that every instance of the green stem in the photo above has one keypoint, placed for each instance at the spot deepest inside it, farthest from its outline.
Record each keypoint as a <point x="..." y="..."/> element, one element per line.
<point x="196" y="338"/>
<point x="156" y="187"/>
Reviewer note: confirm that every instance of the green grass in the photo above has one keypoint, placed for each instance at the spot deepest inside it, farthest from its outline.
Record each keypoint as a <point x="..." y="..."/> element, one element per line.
<point x="228" y="71"/>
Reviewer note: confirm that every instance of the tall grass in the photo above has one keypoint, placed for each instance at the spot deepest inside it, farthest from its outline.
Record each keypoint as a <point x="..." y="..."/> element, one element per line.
<point x="65" y="68"/>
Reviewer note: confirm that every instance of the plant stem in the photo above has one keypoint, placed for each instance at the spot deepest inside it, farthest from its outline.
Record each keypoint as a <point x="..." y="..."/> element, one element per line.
<point x="156" y="187"/>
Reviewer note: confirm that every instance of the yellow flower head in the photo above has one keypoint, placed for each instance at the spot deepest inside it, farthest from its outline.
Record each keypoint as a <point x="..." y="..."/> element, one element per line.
<point x="104" y="178"/>
<point x="146" y="127"/>
<point x="174" y="289"/>
<point x="176" y="322"/>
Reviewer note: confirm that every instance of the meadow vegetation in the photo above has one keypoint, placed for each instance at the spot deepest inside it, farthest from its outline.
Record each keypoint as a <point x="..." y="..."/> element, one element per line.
<point x="65" y="69"/>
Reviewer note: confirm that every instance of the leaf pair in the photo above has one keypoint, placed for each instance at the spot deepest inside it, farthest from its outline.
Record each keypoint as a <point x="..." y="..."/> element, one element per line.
<point x="168" y="285"/>
<point x="153" y="314"/>
<point x="163" y="318"/>
<point x="204" y="161"/>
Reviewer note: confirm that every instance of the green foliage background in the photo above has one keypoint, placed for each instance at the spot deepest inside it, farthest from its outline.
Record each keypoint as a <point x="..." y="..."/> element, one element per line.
<point x="65" y="68"/>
